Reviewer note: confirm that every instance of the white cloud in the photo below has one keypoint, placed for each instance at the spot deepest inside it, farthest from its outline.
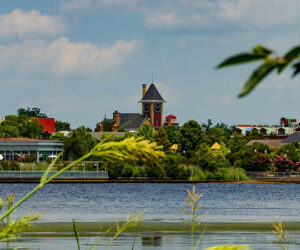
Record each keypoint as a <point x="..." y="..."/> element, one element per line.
<point x="74" y="5"/>
<point x="64" y="58"/>
<point x="21" y="24"/>
<point x="260" y="13"/>
<point x="197" y="14"/>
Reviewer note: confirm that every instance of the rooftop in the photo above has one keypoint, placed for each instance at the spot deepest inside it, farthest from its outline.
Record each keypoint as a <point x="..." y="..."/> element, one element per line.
<point x="152" y="94"/>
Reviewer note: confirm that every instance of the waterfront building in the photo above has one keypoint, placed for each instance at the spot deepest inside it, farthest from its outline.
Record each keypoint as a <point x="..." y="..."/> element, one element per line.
<point x="16" y="148"/>
<point x="287" y="126"/>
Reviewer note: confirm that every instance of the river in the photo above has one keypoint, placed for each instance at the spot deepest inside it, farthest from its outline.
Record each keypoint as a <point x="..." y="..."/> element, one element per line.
<point x="163" y="202"/>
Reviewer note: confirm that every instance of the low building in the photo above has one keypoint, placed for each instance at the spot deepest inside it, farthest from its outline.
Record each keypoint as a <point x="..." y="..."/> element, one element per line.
<point x="275" y="143"/>
<point x="171" y="120"/>
<point x="287" y="126"/>
<point x="16" y="148"/>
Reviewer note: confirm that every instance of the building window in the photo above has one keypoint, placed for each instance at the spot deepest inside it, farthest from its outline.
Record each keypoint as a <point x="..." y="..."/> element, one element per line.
<point x="281" y="132"/>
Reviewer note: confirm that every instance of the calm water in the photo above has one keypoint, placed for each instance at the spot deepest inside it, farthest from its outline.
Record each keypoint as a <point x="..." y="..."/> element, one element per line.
<point x="105" y="202"/>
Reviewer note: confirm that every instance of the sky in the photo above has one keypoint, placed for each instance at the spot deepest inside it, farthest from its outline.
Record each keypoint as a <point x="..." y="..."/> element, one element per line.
<point x="79" y="60"/>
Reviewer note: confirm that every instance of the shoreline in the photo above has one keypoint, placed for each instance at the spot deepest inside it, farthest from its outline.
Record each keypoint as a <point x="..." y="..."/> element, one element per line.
<point x="260" y="180"/>
<point x="65" y="229"/>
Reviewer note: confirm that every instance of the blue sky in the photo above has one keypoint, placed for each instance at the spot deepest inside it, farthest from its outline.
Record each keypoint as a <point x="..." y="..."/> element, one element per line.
<point x="81" y="59"/>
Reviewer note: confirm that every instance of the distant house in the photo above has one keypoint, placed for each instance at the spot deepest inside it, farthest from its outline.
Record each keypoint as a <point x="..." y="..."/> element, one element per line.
<point x="288" y="126"/>
<point x="171" y="120"/>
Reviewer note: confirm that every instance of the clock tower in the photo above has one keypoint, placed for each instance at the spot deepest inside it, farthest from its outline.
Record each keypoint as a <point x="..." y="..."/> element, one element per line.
<point x="152" y="105"/>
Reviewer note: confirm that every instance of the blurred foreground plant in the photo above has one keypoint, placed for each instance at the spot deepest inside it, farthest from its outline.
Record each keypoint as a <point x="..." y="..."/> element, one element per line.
<point x="11" y="228"/>
<point x="193" y="217"/>
<point x="228" y="247"/>
<point x="281" y="235"/>
<point x="131" y="221"/>
<point x="271" y="62"/>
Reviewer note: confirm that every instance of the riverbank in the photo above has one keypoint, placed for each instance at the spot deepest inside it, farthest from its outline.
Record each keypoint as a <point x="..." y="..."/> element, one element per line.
<point x="259" y="180"/>
<point x="65" y="229"/>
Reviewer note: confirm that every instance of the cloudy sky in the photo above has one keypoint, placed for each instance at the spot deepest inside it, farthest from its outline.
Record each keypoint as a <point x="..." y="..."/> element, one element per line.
<point x="81" y="59"/>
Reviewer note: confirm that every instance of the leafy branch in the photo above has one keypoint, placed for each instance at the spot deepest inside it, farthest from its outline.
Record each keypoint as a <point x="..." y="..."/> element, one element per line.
<point x="271" y="62"/>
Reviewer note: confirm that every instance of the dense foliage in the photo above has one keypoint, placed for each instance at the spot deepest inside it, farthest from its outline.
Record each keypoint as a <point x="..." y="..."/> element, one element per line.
<point x="189" y="152"/>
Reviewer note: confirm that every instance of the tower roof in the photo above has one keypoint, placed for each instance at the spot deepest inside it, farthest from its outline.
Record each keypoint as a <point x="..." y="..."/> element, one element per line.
<point x="152" y="94"/>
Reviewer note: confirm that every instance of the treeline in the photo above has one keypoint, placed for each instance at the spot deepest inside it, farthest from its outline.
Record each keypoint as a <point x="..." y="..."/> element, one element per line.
<point x="25" y="125"/>
<point x="193" y="158"/>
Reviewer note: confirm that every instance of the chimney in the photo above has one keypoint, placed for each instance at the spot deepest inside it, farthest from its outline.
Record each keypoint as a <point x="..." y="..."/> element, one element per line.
<point x="117" y="118"/>
<point x="144" y="89"/>
<point x="100" y="127"/>
<point x="115" y="128"/>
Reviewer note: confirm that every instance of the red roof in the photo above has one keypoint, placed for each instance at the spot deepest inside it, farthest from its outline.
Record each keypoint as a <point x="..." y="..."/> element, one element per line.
<point x="171" y="116"/>
<point x="48" y="123"/>
<point x="22" y="139"/>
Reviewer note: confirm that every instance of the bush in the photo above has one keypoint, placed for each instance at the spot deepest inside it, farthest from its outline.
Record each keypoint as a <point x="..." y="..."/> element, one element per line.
<point x="171" y="164"/>
<point x="156" y="171"/>
<point x="282" y="164"/>
<point x="10" y="166"/>
<point x="127" y="171"/>
<point x="183" y="173"/>
<point x="261" y="162"/>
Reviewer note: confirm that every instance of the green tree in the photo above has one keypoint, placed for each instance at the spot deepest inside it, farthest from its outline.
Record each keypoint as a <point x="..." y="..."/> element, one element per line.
<point x="190" y="136"/>
<point x="172" y="134"/>
<point x="31" y="112"/>
<point x="78" y="143"/>
<point x="28" y="126"/>
<point x="290" y="150"/>
<point x="219" y="135"/>
<point x="161" y="139"/>
<point x="260" y="148"/>
<point x="207" y="126"/>
<point x="236" y="143"/>
<point x="209" y="159"/>
<point x="145" y="131"/>
<point x="62" y="126"/>
<point x="107" y="125"/>
<point x="8" y="131"/>
<point x="254" y="135"/>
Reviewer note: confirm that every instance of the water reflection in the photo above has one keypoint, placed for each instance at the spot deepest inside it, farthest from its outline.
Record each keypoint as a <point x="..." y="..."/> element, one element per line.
<point x="153" y="240"/>
<point x="164" y="241"/>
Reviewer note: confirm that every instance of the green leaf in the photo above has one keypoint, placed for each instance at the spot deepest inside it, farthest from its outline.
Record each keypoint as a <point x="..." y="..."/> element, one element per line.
<point x="293" y="53"/>
<point x="76" y="234"/>
<point x="257" y="76"/>
<point x="261" y="50"/>
<point x="296" y="67"/>
<point x="281" y="66"/>
<point x="239" y="59"/>
<point x="45" y="175"/>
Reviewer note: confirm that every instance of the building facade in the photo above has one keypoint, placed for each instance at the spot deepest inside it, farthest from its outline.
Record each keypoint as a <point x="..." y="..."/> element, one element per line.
<point x="16" y="148"/>
<point x="287" y="126"/>
<point x="152" y="113"/>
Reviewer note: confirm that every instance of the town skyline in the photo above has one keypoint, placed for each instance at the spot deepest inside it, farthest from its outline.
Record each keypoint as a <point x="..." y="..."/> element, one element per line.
<point x="81" y="59"/>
